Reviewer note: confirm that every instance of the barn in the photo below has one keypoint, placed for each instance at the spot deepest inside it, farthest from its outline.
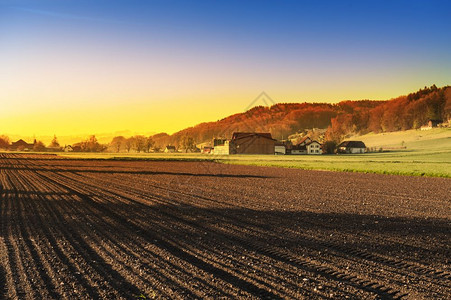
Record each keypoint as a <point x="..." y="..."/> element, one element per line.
<point x="252" y="143"/>
<point x="21" y="145"/>
<point x="351" y="147"/>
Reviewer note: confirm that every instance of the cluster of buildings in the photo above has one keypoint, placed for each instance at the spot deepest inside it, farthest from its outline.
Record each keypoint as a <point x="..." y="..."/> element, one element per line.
<point x="263" y="143"/>
<point x="240" y="143"/>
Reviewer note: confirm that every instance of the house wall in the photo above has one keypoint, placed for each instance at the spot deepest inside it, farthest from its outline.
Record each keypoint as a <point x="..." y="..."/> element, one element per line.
<point x="280" y="150"/>
<point x="314" y="148"/>
<point x="356" y="150"/>
<point x="221" y="150"/>
<point x="254" y="145"/>
<point x="298" y="152"/>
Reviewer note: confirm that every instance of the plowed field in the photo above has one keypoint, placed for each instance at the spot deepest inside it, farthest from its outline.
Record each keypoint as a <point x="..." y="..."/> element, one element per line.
<point x="90" y="229"/>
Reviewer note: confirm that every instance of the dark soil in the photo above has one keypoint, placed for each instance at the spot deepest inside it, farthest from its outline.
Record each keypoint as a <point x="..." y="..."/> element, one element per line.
<point x="79" y="229"/>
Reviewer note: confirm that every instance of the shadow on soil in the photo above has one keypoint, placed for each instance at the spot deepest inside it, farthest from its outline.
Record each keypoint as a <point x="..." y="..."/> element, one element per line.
<point x="218" y="231"/>
<point x="142" y="172"/>
<point x="2" y="283"/>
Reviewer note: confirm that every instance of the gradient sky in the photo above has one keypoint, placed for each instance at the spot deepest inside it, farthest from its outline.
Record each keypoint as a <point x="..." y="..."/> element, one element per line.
<point x="78" y="67"/>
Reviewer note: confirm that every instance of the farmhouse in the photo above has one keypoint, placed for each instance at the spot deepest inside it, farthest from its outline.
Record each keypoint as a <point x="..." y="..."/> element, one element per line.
<point x="21" y="145"/>
<point x="252" y="143"/>
<point x="68" y="148"/>
<point x="314" y="147"/>
<point x="299" y="149"/>
<point x="351" y="147"/>
<point x="169" y="149"/>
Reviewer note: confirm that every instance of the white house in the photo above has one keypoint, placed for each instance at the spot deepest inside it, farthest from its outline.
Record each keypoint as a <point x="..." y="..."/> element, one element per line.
<point x="351" y="147"/>
<point x="314" y="147"/>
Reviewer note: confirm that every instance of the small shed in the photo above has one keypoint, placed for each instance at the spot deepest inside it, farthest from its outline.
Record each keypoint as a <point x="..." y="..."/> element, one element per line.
<point x="351" y="147"/>
<point x="280" y="148"/>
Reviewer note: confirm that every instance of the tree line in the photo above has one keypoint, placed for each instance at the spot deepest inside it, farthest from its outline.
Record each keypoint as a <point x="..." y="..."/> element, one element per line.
<point x="402" y="113"/>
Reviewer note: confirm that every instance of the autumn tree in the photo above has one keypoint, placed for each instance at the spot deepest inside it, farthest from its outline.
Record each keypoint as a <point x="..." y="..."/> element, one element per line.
<point x="129" y="144"/>
<point x="118" y="143"/>
<point x="187" y="143"/>
<point x="149" y="143"/>
<point x="4" y="142"/>
<point x="91" y="145"/>
<point x="139" y="143"/>
<point x="54" y="143"/>
<point x="329" y="147"/>
<point x="39" y="146"/>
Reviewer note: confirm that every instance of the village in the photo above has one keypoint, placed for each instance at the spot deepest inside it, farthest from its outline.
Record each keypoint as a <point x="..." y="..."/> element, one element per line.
<point x="308" y="142"/>
<point x="263" y="143"/>
<point x="240" y="143"/>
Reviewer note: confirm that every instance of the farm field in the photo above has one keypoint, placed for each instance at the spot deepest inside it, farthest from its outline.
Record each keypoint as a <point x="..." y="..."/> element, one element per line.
<point x="426" y="153"/>
<point x="115" y="229"/>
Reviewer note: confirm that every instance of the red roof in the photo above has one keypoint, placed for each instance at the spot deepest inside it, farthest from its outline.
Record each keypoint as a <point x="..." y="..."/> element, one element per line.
<point x="304" y="139"/>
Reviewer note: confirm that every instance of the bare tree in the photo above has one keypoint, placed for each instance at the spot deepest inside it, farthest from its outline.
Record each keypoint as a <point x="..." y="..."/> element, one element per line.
<point x="187" y="143"/>
<point x="129" y="143"/>
<point x="139" y="143"/>
<point x="149" y="144"/>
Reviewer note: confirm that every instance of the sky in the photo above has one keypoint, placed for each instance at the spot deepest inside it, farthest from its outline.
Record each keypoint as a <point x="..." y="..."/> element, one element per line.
<point x="81" y="67"/>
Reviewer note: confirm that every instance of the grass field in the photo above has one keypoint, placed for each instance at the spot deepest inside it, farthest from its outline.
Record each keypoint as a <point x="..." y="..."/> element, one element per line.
<point x="426" y="153"/>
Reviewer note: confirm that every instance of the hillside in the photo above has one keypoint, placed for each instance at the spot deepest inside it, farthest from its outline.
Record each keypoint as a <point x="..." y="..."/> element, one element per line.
<point x="399" y="114"/>
<point x="281" y="120"/>
<point x="342" y="119"/>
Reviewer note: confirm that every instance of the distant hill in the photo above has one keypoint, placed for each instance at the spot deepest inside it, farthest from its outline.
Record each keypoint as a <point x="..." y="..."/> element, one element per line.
<point x="341" y="119"/>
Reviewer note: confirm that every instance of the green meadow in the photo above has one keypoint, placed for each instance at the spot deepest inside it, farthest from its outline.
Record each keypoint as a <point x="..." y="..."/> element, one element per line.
<point x="412" y="152"/>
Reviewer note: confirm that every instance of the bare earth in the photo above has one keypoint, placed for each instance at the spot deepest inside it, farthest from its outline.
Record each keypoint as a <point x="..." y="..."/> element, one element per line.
<point x="139" y="230"/>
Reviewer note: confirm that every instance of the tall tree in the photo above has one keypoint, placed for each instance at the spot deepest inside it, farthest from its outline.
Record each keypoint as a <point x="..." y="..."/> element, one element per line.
<point x="118" y="143"/>
<point x="38" y="146"/>
<point x="149" y="143"/>
<point x="139" y="143"/>
<point x="54" y="143"/>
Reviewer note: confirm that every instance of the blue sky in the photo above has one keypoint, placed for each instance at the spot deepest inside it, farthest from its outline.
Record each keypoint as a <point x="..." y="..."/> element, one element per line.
<point x="198" y="61"/>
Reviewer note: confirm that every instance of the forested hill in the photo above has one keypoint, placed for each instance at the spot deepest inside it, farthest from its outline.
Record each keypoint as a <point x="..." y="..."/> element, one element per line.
<point x="402" y="113"/>
<point x="280" y="120"/>
<point x="341" y="119"/>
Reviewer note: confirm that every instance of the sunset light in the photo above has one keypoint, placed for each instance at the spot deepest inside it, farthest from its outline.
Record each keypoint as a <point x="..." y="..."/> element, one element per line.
<point x="82" y="67"/>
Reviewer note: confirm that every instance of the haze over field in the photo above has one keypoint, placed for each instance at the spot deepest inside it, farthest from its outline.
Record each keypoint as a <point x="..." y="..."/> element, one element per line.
<point x="74" y="68"/>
